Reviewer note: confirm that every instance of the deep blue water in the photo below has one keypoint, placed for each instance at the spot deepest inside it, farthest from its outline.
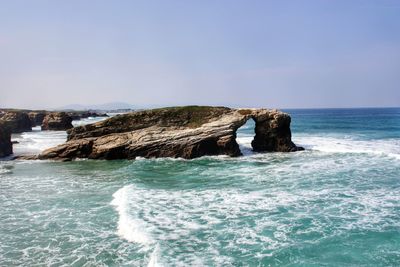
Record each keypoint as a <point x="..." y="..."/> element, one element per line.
<point x="335" y="204"/>
<point x="365" y="123"/>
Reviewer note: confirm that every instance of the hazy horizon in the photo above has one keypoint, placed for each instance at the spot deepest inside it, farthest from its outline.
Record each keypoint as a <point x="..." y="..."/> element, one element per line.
<point x="116" y="106"/>
<point x="274" y="54"/>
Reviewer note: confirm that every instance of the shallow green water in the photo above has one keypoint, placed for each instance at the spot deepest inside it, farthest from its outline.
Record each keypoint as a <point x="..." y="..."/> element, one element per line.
<point x="336" y="204"/>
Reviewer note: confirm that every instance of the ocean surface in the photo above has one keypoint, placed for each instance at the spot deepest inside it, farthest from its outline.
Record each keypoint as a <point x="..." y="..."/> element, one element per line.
<point x="335" y="204"/>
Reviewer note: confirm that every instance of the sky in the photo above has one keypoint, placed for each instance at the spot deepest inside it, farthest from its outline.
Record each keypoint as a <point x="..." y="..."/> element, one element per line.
<point x="239" y="53"/>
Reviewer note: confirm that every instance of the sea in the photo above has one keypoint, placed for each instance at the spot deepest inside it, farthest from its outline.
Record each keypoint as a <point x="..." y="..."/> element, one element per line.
<point x="335" y="204"/>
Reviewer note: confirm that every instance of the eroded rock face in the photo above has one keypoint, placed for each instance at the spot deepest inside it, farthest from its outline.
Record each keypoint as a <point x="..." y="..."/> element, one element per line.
<point x="186" y="132"/>
<point x="5" y="141"/>
<point x="272" y="133"/>
<point x="37" y="117"/>
<point x="57" y="121"/>
<point x="16" y="122"/>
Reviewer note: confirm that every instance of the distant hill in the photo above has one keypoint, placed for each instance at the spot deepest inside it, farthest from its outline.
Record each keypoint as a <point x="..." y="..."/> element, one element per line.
<point x="105" y="106"/>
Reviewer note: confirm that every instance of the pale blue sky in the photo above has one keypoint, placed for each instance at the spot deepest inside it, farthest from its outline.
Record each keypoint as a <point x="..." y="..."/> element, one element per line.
<point x="283" y="54"/>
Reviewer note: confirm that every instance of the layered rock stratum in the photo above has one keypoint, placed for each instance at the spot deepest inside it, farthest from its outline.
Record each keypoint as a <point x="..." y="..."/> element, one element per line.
<point x="185" y="132"/>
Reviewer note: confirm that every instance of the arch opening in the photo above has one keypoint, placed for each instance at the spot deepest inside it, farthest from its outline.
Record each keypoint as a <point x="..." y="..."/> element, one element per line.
<point x="245" y="135"/>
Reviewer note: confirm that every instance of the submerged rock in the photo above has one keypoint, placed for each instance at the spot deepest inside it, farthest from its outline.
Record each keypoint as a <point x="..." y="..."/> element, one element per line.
<point x="57" y="121"/>
<point x="186" y="132"/>
<point x="5" y="141"/>
<point x="16" y="121"/>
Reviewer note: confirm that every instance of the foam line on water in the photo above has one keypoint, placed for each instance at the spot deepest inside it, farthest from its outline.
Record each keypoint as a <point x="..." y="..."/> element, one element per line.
<point x="130" y="228"/>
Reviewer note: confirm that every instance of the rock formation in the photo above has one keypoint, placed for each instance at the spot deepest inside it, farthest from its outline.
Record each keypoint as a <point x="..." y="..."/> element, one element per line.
<point x="186" y="132"/>
<point x="16" y="121"/>
<point x="5" y="141"/>
<point x="77" y="115"/>
<point x="92" y="114"/>
<point x="37" y="117"/>
<point x="57" y="121"/>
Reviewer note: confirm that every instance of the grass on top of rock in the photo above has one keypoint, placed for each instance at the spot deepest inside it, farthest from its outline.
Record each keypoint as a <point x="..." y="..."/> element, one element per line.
<point x="190" y="116"/>
<point x="245" y="111"/>
<point x="185" y="116"/>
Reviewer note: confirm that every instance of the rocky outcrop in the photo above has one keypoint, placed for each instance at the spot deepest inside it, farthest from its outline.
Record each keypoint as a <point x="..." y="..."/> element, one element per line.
<point x="16" y="122"/>
<point x="168" y="118"/>
<point x="186" y="132"/>
<point x="272" y="132"/>
<point x="92" y="114"/>
<point x="78" y="115"/>
<point x="5" y="141"/>
<point x="58" y="121"/>
<point x="37" y="117"/>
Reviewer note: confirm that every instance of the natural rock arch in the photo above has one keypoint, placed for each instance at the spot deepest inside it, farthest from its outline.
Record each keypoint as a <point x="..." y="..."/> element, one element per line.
<point x="186" y="132"/>
<point x="271" y="130"/>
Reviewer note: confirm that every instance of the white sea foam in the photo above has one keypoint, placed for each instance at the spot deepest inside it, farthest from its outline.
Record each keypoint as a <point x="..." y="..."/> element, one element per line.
<point x="213" y="218"/>
<point x="155" y="215"/>
<point x="255" y="214"/>
<point x="36" y="141"/>
<point x="244" y="142"/>
<point x="88" y="120"/>
<point x="154" y="258"/>
<point x="130" y="228"/>
<point x="384" y="147"/>
<point x="5" y="169"/>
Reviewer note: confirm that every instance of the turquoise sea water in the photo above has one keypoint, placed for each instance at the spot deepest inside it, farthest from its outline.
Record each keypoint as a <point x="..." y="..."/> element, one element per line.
<point x="335" y="204"/>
